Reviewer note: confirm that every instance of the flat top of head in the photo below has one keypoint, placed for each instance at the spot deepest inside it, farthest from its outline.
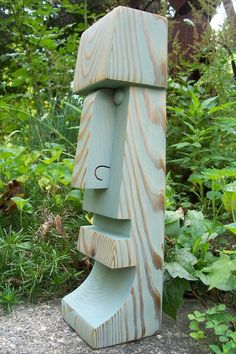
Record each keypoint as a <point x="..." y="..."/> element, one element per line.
<point x="126" y="46"/>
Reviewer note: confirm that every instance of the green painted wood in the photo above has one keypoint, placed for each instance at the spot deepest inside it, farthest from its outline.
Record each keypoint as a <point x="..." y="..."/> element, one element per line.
<point x="123" y="127"/>
<point x="95" y="141"/>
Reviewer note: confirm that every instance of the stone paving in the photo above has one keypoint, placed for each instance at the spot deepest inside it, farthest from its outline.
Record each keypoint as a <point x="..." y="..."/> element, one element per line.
<point x="34" y="329"/>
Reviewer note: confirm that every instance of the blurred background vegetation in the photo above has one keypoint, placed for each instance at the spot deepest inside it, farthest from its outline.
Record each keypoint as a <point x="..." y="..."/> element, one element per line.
<point x="40" y="214"/>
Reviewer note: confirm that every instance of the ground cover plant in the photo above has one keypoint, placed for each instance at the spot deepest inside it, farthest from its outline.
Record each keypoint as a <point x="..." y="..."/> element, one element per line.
<point x="218" y="320"/>
<point x="40" y="214"/>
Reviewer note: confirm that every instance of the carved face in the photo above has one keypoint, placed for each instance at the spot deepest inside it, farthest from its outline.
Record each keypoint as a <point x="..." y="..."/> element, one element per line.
<point x="120" y="161"/>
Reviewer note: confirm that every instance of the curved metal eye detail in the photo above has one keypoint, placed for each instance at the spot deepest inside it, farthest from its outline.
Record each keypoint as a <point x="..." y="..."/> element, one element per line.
<point x="95" y="171"/>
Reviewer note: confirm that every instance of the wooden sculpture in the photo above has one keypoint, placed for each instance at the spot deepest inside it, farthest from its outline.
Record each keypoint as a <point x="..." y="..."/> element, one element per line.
<point x="120" y="161"/>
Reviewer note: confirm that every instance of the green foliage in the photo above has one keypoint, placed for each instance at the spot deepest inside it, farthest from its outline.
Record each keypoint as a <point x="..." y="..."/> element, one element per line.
<point x="8" y="298"/>
<point x="23" y="205"/>
<point x="221" y="273"/>
<point x="37" y="257"/>
<point x="221" y="192"/>
<point x="31" y="267"/>
<point x="39" y="213"/>
<point x="200" y="194"/>
<point x="220" y="322"/>
<point x="194" y="122"/>
<point x="191" y="257"/>
<point x="37" y="59"/>
<point x="174" y="289"/>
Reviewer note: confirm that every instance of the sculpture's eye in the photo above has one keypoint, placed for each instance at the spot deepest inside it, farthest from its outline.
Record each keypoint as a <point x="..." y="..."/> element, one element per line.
<point x="96" y="169"/>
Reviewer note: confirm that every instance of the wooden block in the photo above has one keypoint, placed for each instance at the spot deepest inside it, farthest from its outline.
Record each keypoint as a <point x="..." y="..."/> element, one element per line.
<point x="114" y="251"/>
<point x="108" y="288"/>
<point x="108" y="241"/>
<point x="121" y="300"/>
<point x="125" y="47"/>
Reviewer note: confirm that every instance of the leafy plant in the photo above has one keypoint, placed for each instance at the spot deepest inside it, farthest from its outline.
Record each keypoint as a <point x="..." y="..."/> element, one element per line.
<point x="191" y="258"/>
<point x="23" y="205"/>
<point x="194" y="126"/>
<point x="9" y="298"/>
<point x="215" y="189"/>
<point x="221" y="274"/>
<point x="220" y="322"/>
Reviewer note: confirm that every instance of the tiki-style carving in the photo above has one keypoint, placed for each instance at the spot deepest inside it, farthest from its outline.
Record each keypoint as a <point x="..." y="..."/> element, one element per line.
<point x="120" y="162"/>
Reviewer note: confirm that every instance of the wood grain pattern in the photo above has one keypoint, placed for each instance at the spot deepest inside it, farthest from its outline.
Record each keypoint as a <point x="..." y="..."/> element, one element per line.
<point x="121" y="300"/>
<point x="114" y="251"/>
<point x="131" y="46"/>
<point x="136" y="193"/>
<point x="95" y="141"/>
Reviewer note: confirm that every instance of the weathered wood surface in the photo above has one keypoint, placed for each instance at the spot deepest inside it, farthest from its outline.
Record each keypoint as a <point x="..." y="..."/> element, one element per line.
<point x="125" y="47"/>
<point x="121" y="300"/>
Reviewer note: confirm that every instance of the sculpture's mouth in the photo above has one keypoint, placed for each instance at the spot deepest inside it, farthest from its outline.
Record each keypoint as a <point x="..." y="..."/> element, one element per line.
<point x="108" y="242"/>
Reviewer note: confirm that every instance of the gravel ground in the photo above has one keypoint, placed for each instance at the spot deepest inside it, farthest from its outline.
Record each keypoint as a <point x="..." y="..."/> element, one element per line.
<point x="40" y="329"/>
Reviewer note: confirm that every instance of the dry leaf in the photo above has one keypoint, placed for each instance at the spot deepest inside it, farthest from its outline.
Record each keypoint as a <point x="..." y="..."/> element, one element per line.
<point x="86" y="262"/>
<point x="46" y="226"/>
<point x="13" y="189"/>
<point x="58" y="225"/>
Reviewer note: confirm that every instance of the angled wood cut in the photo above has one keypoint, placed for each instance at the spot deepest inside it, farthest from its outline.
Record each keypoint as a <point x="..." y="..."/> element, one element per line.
<point x="120" y="161"/>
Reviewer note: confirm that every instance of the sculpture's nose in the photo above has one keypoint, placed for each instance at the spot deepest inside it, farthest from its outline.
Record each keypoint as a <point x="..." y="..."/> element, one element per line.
<point x="95" y="141"/>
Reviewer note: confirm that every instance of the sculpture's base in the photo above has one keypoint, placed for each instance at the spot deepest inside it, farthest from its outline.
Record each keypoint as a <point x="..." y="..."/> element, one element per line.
<point x="101" y="309"/>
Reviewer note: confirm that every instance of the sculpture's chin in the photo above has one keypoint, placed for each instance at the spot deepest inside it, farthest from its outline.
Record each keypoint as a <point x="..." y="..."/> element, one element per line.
<point x="99" y="302"/>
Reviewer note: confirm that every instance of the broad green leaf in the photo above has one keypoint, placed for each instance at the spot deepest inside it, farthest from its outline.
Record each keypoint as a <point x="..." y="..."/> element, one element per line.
<point x="216" y="195"/>
<point x="209" y="102"/>
<point x="186" y="259"/>
<point x="220" y="271"/>
<point x="20" y="202"/>
<point x="231" y="227"/>
<point x="220" y="329"/>
<point x="196" y="144"/>
<point x="194" y="326"/>
<point x="55" y="156"/>
<point x="214" y="174"/>
<point x="197" y="335"/>
<point x="48" y="43"/>
<point x="74" y="195"/>
<point x="176" y="270"/>
<point x="228" y="284"/>
<point x="203" y="277"/>
<point x="195" y="100"/>
<point x="199" y="316"/>
<point x="23" y="204"/>
<point x="196" y="178"/>
<point x="195" y="222"/>
<point x="223" y="339"/>
<point x="216" y="349"/>
<point x="172" y="224"/>
<point x="173" y="295"/>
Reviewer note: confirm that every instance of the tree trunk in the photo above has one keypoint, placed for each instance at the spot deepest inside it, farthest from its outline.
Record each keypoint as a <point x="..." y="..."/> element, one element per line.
<point x="229" y="9"/>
